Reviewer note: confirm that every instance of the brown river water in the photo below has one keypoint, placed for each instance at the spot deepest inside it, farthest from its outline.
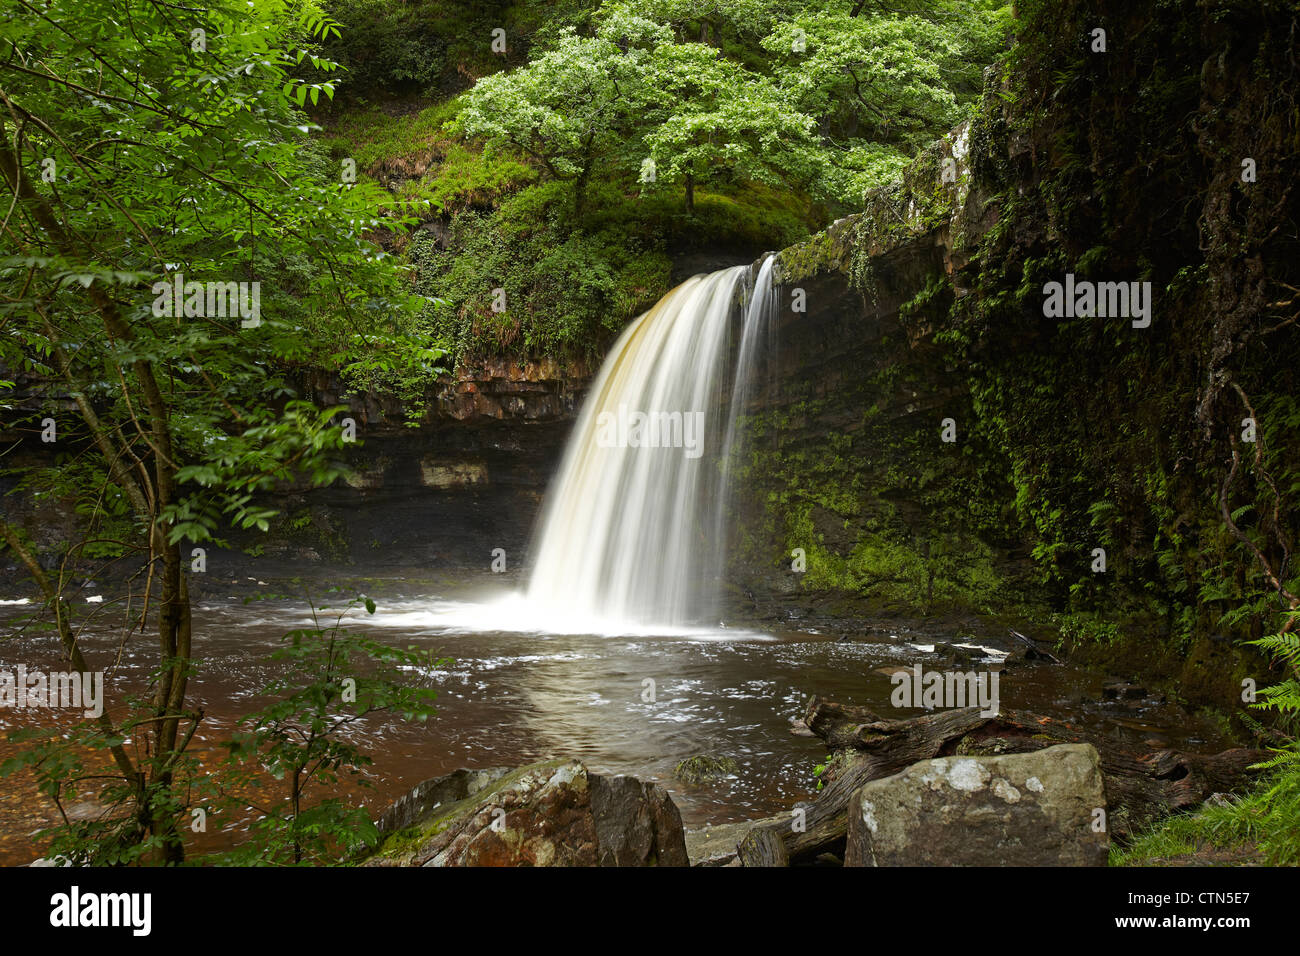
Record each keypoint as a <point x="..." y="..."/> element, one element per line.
<point x="513" y="696"/>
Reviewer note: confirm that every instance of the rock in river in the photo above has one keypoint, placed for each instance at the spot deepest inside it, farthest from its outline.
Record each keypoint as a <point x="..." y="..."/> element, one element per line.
<point x="552" y="813"/>
<point x="1033" y="809"/>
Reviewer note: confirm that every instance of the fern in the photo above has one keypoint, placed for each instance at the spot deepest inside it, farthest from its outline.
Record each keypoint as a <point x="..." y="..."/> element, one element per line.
<point x="1283" y="647"/>
<point x="1284" y="697"/>
<point x="1264" y="822"/>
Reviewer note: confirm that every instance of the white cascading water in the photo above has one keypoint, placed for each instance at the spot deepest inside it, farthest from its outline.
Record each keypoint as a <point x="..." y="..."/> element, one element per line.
<point x="634" y="524"/>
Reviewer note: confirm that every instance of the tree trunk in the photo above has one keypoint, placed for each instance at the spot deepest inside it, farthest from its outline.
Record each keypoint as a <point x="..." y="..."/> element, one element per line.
<point x="762" y="847"/>
<point x="174" y="612"/>
<point x="580" y="193"/>
<point x="174" y="654"/>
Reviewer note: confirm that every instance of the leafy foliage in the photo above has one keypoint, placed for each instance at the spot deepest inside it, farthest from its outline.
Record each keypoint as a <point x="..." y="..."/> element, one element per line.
<point x="148" y="148"/>
<point x="671" y="127"/>
<point x="828" y="99"/>
<point x="69" y="766"/>
<point x="1264" y="822"/>
<point x="338" y="678"/>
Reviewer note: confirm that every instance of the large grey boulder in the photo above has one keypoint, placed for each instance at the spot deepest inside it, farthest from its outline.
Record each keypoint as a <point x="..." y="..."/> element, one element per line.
<point x="552" y="813"/>
<point x="1032" y="809"/>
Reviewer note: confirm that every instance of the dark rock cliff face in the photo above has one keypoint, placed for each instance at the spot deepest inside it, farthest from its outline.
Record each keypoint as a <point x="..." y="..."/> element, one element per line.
<point x="436" y="494"/>
<point x="860" y="449"/>
<point x="482" y="388"/>
<point x="440" y="497"/>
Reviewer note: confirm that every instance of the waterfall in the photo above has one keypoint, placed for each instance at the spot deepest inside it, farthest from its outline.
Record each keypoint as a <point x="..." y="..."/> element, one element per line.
<point x="634" y="524"/>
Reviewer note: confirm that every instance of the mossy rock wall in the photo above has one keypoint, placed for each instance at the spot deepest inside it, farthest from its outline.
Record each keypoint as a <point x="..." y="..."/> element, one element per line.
<point x="1073" y="434"/>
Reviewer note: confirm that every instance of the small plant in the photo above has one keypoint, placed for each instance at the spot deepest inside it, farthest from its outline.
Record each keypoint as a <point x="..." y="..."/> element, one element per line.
<point x="339" y="678"/>
<point x="826" y="770"/>
<point x="819" y="770"/>
<point x="1080" y="630"/>
<point x="1283" y="698"/>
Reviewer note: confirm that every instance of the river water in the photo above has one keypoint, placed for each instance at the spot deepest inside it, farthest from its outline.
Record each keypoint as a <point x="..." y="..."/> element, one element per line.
<point x="510" y="696"/>
<point x="590" y="657"/>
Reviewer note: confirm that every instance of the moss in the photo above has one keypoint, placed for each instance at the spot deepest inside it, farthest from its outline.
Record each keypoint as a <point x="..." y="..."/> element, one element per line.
<point x="464" y="178"/>
<point x="307" y="526"/>
<point x="704" y="769"/>
<point x="875" y="511"/>
<point x="814" y="256"/>
<point x="990" y="747"/>
<point x="387" y="141"/>
<point x="917" y="203"/>
<point x="402" y="845"/>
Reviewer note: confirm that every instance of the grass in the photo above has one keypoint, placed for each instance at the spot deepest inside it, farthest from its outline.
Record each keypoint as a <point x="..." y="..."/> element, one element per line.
<point x="1261" y="827"/>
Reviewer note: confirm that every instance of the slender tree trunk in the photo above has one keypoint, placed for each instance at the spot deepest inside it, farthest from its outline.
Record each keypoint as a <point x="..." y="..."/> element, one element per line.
<point x="580" y="192"/>
<point x="584" y="176"/>
<point x="174" y="611"/>
<point x="69" y="641"/>
<point x="174" y="654"/>
<point x="297" y="809"/>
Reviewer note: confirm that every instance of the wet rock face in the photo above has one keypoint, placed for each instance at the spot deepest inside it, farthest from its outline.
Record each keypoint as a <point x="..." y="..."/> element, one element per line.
<point x="469" y="479"/>
<point x="716" y="846"/>
<point x="637" y="823"/>
<point x="854" y="399"/>
<point x="534" y="390"/>
<point x="481" y="389"/>
<point x="1034" y="809"/>
<point x="553" y="813"/>
<point x="437" y="498"/>
<point x="441" y="496"/>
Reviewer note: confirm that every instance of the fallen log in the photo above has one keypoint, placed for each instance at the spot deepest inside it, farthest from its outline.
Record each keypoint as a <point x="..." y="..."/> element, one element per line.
<point x="762" y="847"/>
<point x="1140" y="788"/>
<point x="1030" y="649"/>
<point x="832" y="720"/>
<point x="890" y="746"/>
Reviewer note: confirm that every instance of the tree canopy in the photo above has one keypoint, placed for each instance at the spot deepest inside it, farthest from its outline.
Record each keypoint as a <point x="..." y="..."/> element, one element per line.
<point x="173" y="250"/>
<point x="827" y="98"/>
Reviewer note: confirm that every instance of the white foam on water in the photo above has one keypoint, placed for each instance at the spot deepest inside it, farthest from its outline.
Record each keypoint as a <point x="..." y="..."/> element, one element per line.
<point x="518" y="613"/>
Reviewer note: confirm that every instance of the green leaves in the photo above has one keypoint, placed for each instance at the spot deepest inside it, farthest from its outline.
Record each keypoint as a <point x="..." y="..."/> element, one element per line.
<point x="1284" y="647"/>
<point x="301" y="737"/>
<point x="277" y="450"/>
<point x="831" y="100"/>
<point x="569" y="108"/>
<point x="186" y="161"/>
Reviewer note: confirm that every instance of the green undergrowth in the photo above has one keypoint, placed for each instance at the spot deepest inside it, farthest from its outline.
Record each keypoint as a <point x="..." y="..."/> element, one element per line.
<point x="571" y="280"/>
<point x="390" y="135"/>
<point x="1263" y="826"/>
<point x="1093" y="450"/>
<point x="703" y="768"/>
